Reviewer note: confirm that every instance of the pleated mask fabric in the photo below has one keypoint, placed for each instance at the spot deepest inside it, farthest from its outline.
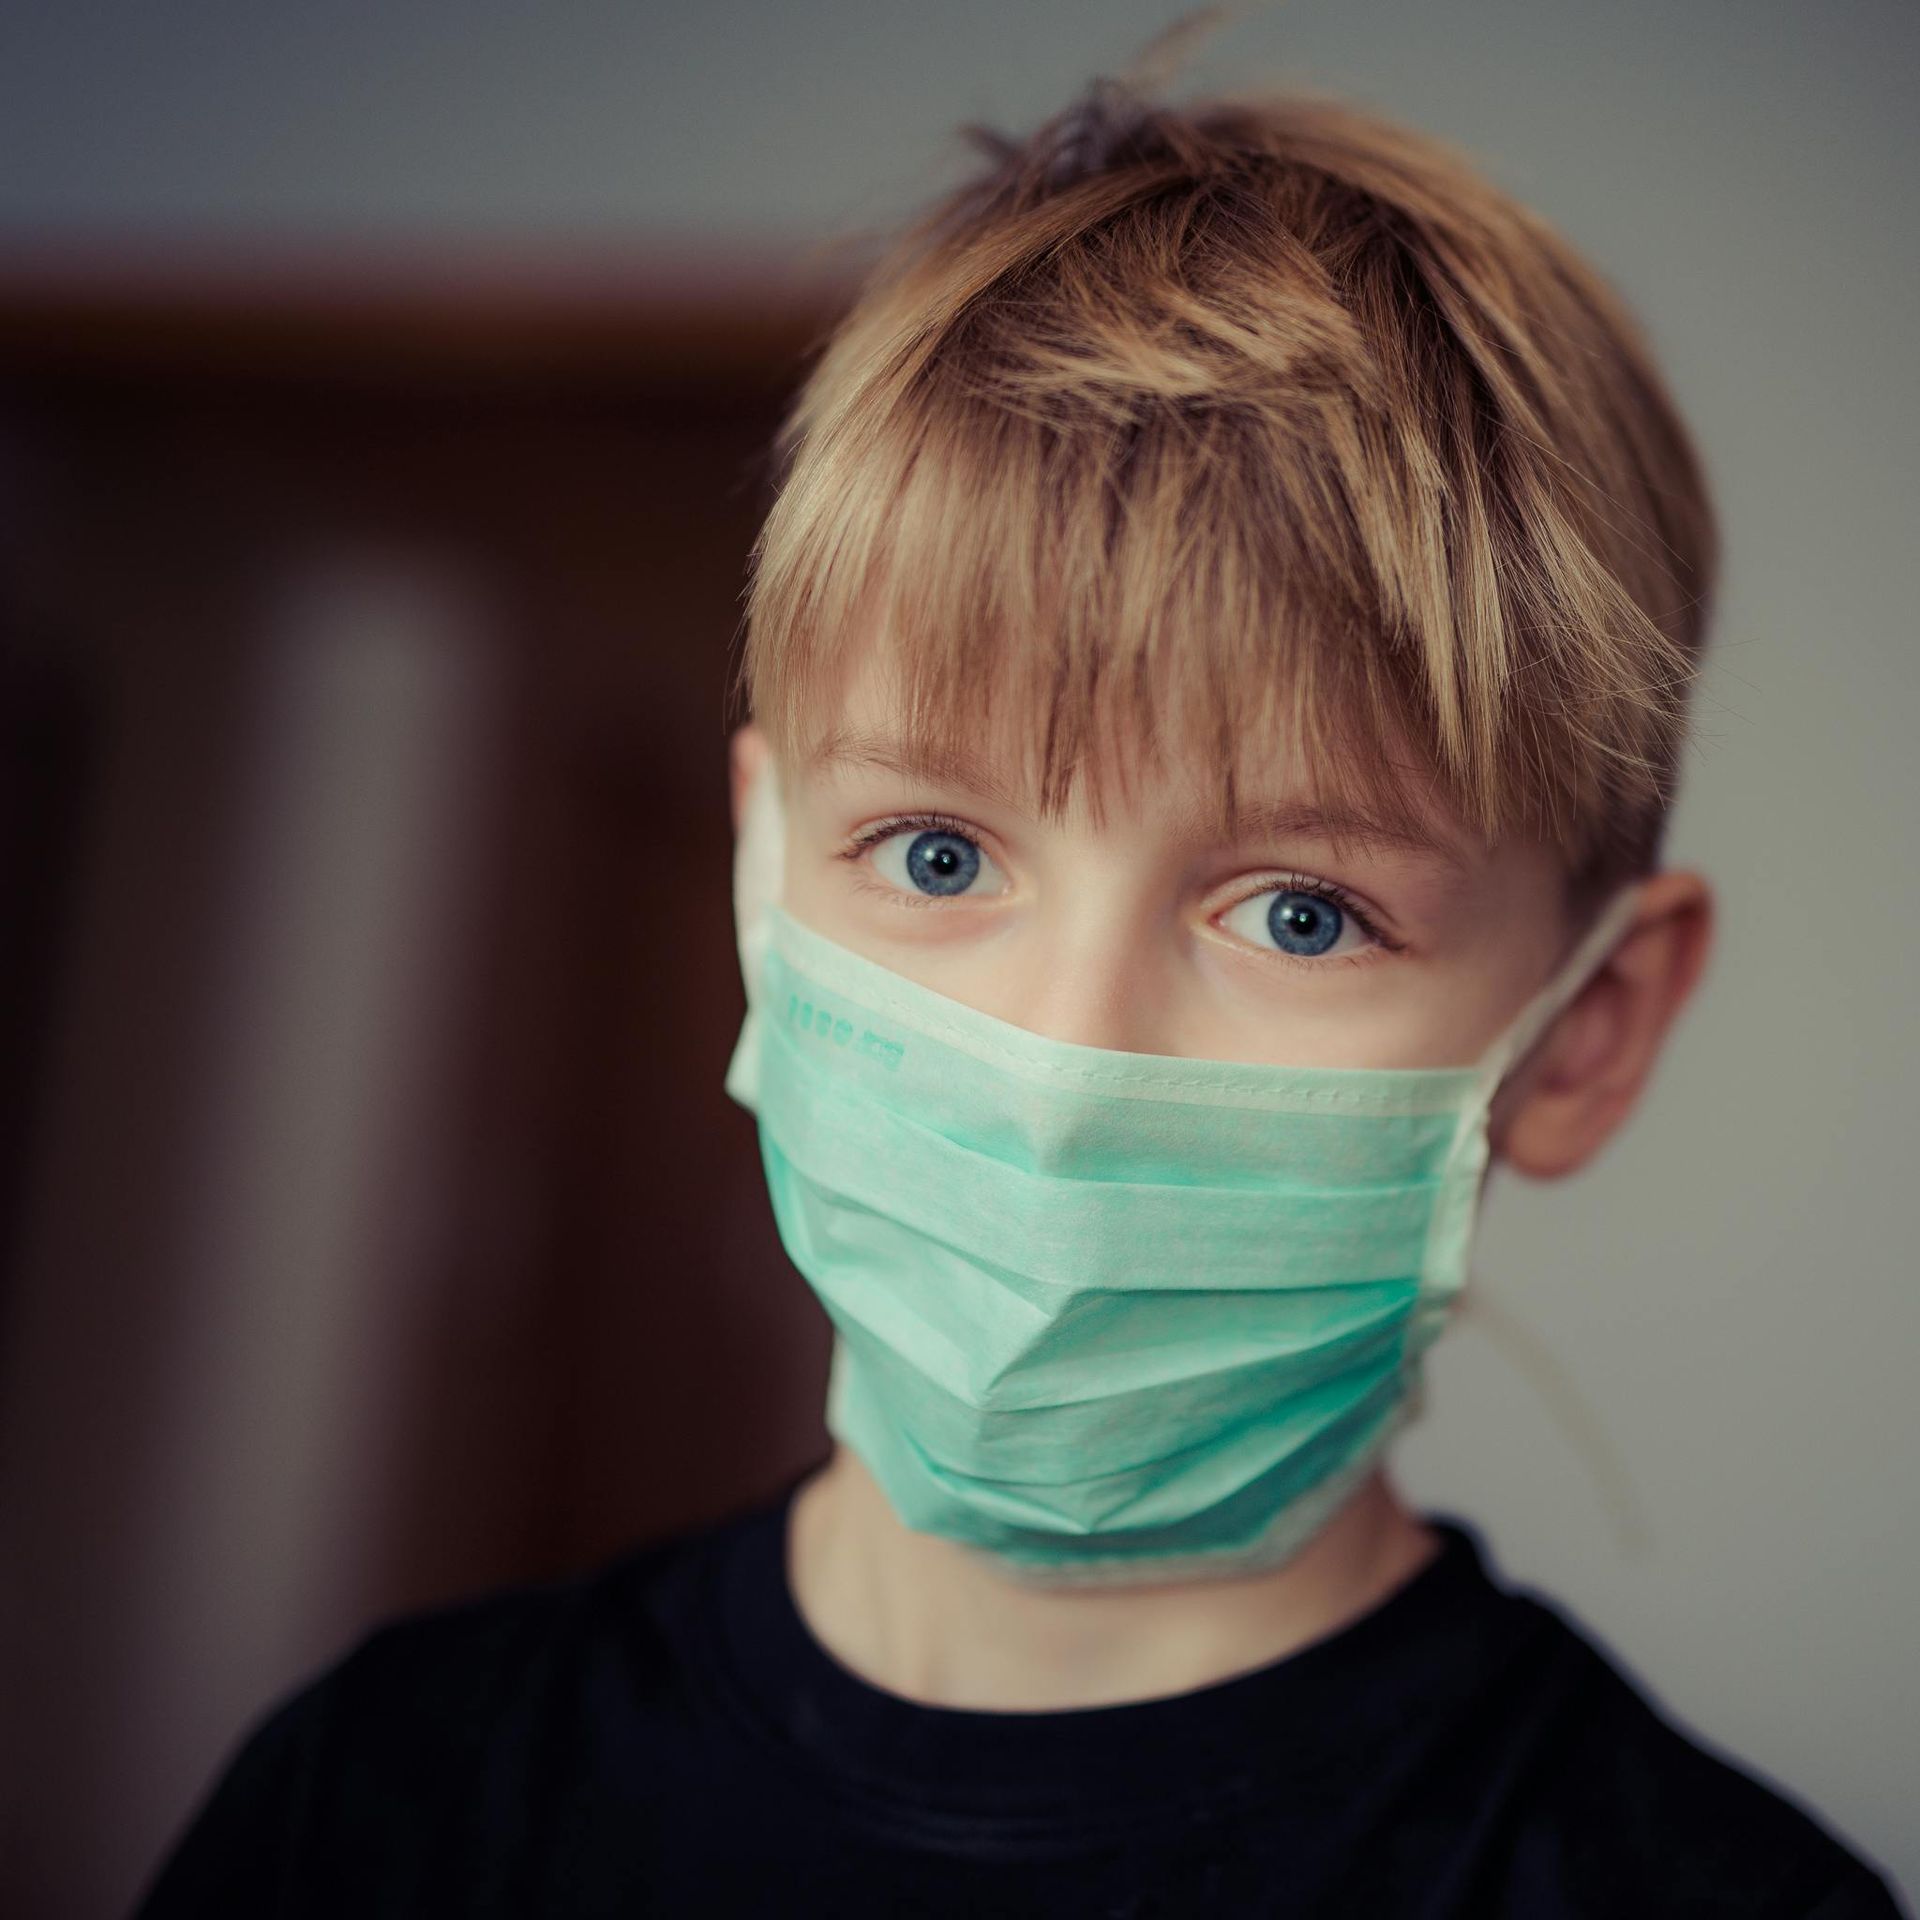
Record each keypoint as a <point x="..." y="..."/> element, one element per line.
<point x="1104" y="1316"/>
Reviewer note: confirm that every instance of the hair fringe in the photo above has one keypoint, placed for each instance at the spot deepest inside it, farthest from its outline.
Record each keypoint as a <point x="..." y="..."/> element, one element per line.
<point x="1249" y="426"/>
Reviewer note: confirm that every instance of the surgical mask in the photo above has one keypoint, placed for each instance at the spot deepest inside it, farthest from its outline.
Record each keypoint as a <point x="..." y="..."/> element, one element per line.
<point x="1106" y="1317"/>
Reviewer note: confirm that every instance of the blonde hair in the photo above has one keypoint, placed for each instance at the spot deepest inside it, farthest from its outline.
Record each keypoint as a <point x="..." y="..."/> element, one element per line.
<point x="1251" y="421"/>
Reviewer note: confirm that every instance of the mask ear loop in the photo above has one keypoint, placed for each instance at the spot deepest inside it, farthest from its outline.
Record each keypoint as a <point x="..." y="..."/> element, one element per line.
<point x="1561" y="989"/>
<point x="759" y="871"/>
<point x="759" y="881"/>
<point x="1572" y="1412"/>
<point x="1560" y="1395"/>
<point x="759" y="874"/>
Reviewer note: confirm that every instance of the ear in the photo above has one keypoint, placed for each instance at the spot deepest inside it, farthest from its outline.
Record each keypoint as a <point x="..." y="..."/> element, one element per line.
<point x="1588" y="1071"/>
<point x="746" y="754"/>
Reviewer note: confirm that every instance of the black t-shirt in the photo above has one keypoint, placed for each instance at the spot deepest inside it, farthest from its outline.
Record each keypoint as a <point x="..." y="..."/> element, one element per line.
<point x="665" y="1736"/>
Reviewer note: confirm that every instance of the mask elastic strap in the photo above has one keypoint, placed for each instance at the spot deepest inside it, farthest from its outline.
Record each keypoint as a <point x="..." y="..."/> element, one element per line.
<point x="1565" y="1405"/>
<point x="759" y="868"/>
<point x="1568" y="978"/>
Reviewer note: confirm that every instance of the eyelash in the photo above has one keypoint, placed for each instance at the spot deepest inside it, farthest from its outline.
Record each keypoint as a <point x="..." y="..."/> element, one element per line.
<point x="1286" y="882"/>
<point x="1321" y="890"/>
<point x="886" y="829"/>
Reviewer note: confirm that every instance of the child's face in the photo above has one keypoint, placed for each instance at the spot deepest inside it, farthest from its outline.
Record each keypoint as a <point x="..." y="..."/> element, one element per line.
<point x="1148" y="933"/>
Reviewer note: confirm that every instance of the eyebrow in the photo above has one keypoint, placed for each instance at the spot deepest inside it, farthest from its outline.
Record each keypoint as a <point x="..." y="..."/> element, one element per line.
<point x="1291" y="819"/>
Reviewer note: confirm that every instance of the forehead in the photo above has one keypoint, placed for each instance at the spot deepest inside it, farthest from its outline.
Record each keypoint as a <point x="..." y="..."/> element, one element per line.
<point x="1274" y="786"/>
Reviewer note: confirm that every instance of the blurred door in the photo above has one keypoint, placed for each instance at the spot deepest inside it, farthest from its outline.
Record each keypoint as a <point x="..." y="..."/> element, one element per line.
<point x="380" y="1229"/>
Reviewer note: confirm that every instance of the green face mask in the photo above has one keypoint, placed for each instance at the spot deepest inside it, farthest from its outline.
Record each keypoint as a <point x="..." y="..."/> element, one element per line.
<point x="1106" y="1316"/>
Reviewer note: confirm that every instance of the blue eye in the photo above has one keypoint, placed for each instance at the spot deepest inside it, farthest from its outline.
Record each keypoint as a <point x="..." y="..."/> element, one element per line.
<point x="942" y="863"/>
<point x="934" y="861"/>
<point x="1305" y="924"/>
<point x="1302" y="924"/>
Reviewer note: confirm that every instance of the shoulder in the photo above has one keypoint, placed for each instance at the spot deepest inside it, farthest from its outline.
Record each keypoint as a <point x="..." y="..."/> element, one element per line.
<point x="1622" y="1801"/>
<point x="426" y="1748"/>
<point x="456" y="1680"/>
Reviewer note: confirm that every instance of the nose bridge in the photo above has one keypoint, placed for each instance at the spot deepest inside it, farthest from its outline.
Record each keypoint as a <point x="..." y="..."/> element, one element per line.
<point x="1089" y="968"/>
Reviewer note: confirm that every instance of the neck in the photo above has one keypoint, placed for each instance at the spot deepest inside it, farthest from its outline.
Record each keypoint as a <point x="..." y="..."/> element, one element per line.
<point x="925" y="1619"/>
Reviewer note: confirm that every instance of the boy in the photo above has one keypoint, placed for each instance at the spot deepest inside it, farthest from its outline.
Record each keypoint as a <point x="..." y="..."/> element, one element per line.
<point x="1219" y="657"/>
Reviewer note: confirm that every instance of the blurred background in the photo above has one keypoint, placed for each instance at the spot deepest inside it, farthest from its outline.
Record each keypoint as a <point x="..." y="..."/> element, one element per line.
<point x="384" y="397"/>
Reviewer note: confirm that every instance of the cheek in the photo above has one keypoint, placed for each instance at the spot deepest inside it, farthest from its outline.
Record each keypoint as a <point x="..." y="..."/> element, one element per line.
<point x="1377" y="1013"/>
<point x="811" y="876"/>
<point x="808" y="895"/>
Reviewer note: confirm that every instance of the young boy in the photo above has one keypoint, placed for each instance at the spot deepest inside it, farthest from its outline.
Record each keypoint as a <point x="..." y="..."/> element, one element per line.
<point x="1220" y="656"/>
